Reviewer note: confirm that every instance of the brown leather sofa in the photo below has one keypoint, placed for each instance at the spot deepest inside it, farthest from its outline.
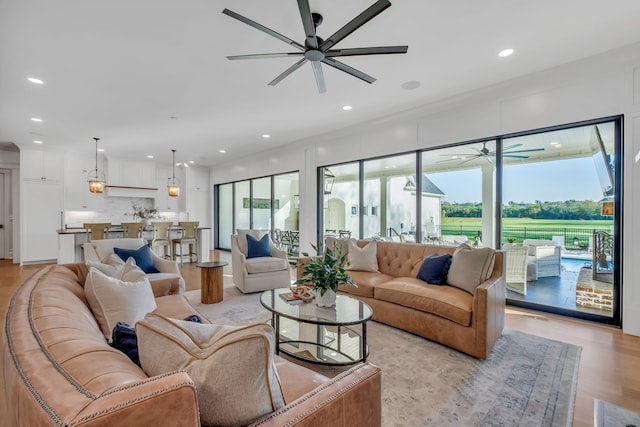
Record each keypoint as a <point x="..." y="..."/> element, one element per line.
<point x="59" y="371"/>
<point x="441" y="313"/>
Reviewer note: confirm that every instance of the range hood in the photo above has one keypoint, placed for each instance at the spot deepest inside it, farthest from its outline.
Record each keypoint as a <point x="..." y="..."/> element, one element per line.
<point x="126" y="191"/>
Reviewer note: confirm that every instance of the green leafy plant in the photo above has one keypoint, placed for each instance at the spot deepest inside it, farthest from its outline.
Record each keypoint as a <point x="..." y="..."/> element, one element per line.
<point x="325" y="271"/>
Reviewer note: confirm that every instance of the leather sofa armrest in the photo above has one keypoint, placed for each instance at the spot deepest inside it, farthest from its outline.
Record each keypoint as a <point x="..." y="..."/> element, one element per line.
<point x="167" y="400"/>
<point x="489" y="306"/>
<point x="351" y="399"/>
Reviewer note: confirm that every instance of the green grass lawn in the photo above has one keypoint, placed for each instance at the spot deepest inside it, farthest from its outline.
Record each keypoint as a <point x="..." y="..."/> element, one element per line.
<point x="527" y="228"/>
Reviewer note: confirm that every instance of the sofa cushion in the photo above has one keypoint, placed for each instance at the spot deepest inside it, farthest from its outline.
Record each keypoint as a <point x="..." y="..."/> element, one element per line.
<point x="142" y="256"/>
<point x="104" y="248"/>
<point x="470" y="267"/>
<point x="265" y="264"/>
<point x="246" y="388"/>
<point x="123" y="338"/>
<point x="242" y="238"/>
<point x="445" y="301"/>
<point x="366" y="282"/>
<point x="362" y="259"/>
<point x="113" y="300"/>
<point x="258" y="247"/>
<point x="334" y="243"/>
<point x="434" y="269"/>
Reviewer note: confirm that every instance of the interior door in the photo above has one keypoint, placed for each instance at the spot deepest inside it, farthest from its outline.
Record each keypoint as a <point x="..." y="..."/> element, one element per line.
<point x="3" y="218"/>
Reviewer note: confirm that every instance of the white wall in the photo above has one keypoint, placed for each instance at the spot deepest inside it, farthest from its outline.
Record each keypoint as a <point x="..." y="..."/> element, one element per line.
<point x="600" y="86"/>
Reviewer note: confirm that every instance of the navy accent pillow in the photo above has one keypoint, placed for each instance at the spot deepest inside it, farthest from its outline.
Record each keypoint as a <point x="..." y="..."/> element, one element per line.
<point x="124" y="338"/>
<point x="257" y="248"/>
<point x="434" y="269"/>
<point x="141" y="256"/>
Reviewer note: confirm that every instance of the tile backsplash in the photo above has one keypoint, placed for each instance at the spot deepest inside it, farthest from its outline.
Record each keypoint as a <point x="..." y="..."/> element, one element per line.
<point x="115" y="211"/>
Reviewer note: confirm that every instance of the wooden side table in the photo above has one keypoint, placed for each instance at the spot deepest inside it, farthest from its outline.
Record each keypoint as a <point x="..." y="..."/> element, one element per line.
<point x="211" y="282"/>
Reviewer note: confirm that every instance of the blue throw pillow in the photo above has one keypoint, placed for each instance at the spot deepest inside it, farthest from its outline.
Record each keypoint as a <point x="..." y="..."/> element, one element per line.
<point x="141" y="256"/>
<point x="257" y="248"/>
<point x="124" y="338"/>
<point x="434" y="269"/>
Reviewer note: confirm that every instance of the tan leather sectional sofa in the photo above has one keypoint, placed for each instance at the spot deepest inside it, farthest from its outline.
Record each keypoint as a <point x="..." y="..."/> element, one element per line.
<point x="60" y="371"/>
<point x="471" y="323"/>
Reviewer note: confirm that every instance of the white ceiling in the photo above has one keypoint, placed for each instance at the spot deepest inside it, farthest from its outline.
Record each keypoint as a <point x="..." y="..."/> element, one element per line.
<point x="120" y="70"/>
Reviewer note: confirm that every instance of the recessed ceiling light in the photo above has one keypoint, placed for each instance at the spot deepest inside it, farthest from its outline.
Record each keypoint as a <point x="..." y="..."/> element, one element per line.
<point x="191" y="162"/>
<point x="38" y="142"/>
<point x="101" y="150"/>
<point x="36" y="119"/>
<point x="347" y="107"/>
<point x="36" y="81"/>
<point x="505" y="52"/>
<point x="149" y="156"/>
<point x="266" y="135"/>
<point x="410" y="85"/>
<point x="223" y="151"/>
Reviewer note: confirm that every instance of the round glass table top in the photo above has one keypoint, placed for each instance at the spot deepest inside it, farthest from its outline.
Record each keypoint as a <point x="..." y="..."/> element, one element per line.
<point x="347" y="311"/>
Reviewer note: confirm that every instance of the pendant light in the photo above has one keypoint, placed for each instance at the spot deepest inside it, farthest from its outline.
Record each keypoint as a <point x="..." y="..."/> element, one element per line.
<point x="96" y="177"/>
<point x="173" y="184"/>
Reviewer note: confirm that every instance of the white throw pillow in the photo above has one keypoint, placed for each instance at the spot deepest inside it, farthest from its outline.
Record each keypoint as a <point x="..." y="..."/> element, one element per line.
<point x="470" y="267"/>
<point x="113" y="300"/>
<point x="232" y="367"/>
<point x="363" y="259"/>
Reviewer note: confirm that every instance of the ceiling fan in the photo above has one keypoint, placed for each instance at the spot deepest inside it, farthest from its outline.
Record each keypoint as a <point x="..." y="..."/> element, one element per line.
<point x="315" y="49"/>
<point x="488" y="154"/>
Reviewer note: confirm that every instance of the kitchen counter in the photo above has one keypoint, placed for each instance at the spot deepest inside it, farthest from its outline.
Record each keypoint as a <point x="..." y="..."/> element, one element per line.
<point x="70" y="242"/>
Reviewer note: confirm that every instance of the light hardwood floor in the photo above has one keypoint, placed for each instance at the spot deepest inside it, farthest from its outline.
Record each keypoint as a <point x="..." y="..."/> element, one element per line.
<point x="608" y="365"/>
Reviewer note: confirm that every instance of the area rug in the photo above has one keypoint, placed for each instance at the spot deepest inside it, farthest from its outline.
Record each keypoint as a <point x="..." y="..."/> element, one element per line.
<point x="609" y="415"/>
<point x="525" y="381"/>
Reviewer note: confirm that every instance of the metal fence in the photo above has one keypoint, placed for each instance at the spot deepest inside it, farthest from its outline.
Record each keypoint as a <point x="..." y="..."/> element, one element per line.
<point x="574" y="238"/>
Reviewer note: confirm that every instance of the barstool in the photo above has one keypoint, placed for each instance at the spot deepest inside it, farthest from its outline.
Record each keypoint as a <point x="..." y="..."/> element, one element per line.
<point x="97" y="230"/>
<point x="189" y="236"/>
<point x="132" y="229"/>
<point x="160" y="231"/>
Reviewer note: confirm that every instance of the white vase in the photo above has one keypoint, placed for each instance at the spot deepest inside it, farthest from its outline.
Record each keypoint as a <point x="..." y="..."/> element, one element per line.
<point x="328" y="300"/>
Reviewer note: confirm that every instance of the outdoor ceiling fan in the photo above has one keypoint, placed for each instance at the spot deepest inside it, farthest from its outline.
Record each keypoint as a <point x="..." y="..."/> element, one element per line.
<point x="488" y="154"/>
<point x="315" y="49"/>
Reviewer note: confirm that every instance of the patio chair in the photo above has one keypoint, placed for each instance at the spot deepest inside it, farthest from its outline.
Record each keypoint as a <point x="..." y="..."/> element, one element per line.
<point x="546" y="255"/>
<point x="517" y="268"/>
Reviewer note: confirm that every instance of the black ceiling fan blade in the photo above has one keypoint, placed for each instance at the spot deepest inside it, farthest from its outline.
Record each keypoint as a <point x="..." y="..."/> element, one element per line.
<point x="263" y="29"/>
<point x="379" y="50"/>
<point x="317" y="71"/>
<point x="530" y="150"/>
<point x="355" y="23"/>
<point x="349" y="70"/>
<point x="288" y="71"/>
<point x="307" y="23"/>
<point x="266" y="55"/>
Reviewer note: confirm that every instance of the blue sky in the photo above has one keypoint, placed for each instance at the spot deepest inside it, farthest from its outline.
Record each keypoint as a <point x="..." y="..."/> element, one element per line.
<point x="567" y="179"/>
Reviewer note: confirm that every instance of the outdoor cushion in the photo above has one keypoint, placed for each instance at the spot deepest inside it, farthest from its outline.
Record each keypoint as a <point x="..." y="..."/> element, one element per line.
<point x="265" y="265"/>
<point x="244" y="390"/>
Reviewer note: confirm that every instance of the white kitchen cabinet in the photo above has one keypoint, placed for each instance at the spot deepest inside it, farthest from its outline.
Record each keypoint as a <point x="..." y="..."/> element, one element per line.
<point x="131" y="173"/>
<point x="76" y="190"/>
<point x="41" y="165"/>
<point x="40" y="220"/>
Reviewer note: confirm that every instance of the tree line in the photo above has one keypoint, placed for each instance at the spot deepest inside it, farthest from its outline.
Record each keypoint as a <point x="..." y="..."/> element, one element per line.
<point x="569" y="209"/>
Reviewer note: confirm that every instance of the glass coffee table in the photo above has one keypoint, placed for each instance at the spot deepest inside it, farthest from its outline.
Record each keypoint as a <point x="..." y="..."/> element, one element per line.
<point x="324" y="335"/>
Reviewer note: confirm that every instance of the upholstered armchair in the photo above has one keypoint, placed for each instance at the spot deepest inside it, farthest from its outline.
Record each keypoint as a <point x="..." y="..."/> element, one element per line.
<point x="166" y="281"/>
<point x="252" y="273"/>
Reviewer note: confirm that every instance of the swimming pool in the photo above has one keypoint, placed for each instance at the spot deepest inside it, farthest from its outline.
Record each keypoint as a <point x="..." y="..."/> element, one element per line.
<point x="575" y="264"/>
